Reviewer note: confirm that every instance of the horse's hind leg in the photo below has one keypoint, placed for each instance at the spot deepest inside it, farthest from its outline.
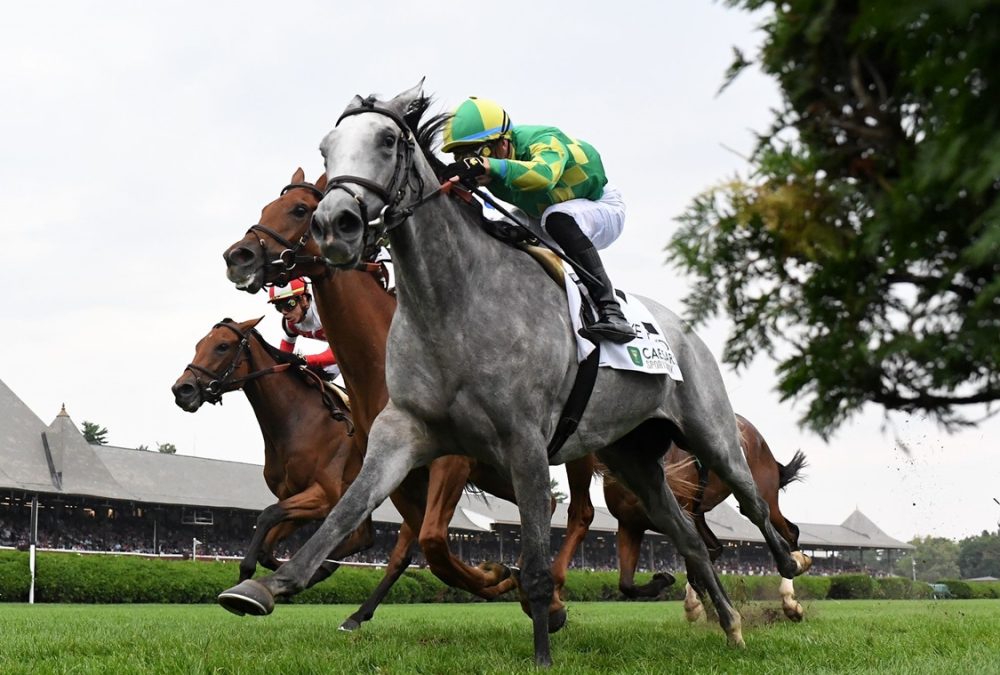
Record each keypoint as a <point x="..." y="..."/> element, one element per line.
<point x="629" y="547"/>
<point x="530" y="477"/>
<point x="634" y="460"/>
<point x="715" y="441"/>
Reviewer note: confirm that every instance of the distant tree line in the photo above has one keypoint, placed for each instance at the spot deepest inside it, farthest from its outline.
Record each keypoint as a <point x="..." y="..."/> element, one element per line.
<point x="939" y="558"/>
<point x="95" y="434"/>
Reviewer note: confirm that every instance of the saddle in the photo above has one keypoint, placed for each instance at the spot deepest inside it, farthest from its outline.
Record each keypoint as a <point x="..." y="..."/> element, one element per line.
<point x="340" y="393"/>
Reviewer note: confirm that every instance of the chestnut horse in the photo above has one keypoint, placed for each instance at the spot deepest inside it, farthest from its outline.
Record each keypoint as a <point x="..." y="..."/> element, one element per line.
<point x="309" y="459"/>
<point x="356" y="312"/>
<point x="770" y="477"/>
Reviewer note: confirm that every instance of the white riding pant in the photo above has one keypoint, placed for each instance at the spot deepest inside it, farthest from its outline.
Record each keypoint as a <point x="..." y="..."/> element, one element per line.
<point x="601" y="221"/>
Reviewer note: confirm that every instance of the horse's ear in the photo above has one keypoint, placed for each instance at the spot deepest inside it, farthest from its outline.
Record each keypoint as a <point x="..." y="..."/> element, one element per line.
<point x="412" y="103"/>
<point x="250" y="323"/>
<point x="298" y="177"/>
<point x="321" y="183"/>
<point x="356" y="102"/>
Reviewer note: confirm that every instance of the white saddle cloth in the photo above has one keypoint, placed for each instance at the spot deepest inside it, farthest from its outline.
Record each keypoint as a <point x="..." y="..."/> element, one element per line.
<point x="647" y="353"/>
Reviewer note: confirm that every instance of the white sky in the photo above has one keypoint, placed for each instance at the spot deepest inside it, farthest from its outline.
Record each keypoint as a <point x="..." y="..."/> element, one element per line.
<point x="139" y="141"/>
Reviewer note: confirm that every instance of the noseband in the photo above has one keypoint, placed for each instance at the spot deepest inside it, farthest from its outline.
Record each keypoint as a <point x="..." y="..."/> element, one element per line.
<point x="289" y="258"/>
<point x="220" y="384"/>
<point x="392" y="214"/>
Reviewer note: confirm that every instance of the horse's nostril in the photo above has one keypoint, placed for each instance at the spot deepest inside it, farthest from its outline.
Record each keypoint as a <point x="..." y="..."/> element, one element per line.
<point x="239" y="256"/>
<point x="184" y="391"/>
<point x="348" y="223"/>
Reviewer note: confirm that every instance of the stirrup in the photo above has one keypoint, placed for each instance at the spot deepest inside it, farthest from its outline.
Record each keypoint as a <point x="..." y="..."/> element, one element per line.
<point x="606" y="329"/>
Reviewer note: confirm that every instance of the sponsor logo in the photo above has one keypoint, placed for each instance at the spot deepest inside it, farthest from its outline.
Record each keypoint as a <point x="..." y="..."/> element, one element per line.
<point x="635" y="355"/>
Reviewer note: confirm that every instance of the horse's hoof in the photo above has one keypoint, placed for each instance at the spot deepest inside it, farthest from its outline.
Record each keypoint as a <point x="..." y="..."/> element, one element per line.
<point x="350" y="625"/>
<point x="802" y="561"/>
<point x="557" y="619"/>
<point x="693" y="615"/>
<point x="794" y="612"/>
<point x="495" y="572"/>
<point x="664" y="580"/>
<point x="248" y="597"/>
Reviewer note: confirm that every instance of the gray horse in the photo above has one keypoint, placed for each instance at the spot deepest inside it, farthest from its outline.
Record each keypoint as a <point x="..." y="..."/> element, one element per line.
<point x="481" y="358"/>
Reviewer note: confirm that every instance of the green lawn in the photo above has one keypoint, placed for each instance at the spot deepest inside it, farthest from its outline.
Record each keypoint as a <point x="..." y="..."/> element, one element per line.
<point x="857" y="636"/>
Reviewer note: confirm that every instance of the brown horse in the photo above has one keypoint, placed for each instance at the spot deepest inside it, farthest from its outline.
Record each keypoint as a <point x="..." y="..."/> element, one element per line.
<point x="356" y="312"/>
<point x="309" y="458"/>
<point x="682" y="472"/>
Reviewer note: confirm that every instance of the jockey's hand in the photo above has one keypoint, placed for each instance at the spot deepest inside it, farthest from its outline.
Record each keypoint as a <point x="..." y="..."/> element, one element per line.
<point x="469" y="171"/>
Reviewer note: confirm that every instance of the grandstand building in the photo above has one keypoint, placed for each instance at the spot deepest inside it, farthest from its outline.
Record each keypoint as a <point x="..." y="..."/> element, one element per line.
<point x="106" y="498"/>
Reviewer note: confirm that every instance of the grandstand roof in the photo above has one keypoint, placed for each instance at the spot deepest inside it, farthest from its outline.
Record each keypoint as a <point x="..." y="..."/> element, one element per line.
<point x="56" y="459"/>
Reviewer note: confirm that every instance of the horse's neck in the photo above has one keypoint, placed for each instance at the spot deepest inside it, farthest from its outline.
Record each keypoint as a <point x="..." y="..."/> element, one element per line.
<point x="271" y="396"/>
<point x="356" y="313"/>
<point x="441" y="257"/>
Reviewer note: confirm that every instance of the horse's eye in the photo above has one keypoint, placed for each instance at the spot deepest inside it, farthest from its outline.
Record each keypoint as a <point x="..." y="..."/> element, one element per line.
<point x="222" y="348"/>
<point x="389" y="140"/>
<point x="299" y="211"/>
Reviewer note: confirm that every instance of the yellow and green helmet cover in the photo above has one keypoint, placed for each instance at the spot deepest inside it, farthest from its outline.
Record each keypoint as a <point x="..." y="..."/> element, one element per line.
<point x="475" y="121"/>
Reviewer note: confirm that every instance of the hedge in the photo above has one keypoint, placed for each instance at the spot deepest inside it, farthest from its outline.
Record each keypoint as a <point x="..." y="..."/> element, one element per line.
<point x="78" y="578"/>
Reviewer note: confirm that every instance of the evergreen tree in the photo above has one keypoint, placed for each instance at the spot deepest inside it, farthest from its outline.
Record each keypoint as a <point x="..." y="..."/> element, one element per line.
<point x="94" y="433"/>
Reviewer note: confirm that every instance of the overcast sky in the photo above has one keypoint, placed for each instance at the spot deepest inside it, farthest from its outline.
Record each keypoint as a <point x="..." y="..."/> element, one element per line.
<point x="139" y="141"/>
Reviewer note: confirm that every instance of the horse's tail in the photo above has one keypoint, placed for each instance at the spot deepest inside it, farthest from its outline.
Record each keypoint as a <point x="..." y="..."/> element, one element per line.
<point x="791" y="471"/>
<point x="682" y="489"/>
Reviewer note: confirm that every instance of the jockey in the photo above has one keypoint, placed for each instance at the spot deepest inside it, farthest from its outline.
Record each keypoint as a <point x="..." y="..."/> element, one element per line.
<point x="550" y="176"/>
<point x="299" y="317"/>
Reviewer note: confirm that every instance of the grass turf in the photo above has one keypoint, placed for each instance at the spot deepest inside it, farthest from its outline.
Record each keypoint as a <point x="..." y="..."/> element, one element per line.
<point x="857" y="636"/>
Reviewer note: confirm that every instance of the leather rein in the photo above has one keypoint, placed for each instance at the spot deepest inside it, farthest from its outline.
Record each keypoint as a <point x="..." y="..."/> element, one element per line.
<point x="393" y="213"/>
<point x="218" y="385"/>
<point x="290" y="258"/>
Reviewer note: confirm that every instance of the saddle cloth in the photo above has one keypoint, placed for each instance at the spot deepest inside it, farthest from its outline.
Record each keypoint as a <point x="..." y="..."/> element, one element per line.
<point x="647" y="353"/>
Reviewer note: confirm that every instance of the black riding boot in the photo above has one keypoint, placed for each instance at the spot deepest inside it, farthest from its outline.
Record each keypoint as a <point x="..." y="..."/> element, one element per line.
<point x="610" y="325"/>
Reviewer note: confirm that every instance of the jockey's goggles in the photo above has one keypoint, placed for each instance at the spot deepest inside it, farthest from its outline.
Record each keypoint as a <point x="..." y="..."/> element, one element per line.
<point x="484" y="150"/>
<point x="286" y="305"/>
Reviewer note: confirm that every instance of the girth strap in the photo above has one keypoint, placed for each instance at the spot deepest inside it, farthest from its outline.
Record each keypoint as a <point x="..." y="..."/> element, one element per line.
<point x="576" y="404"/>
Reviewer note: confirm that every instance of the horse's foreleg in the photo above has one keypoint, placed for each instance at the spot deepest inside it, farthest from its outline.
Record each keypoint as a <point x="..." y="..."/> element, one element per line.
<point x="580" y="515"/>
<point x="397" y="444"/>
<point x="267" y="519"/>
<point x="399" y="560"/>
<point x="448" y="476"/>
<point x="271" y="541"/>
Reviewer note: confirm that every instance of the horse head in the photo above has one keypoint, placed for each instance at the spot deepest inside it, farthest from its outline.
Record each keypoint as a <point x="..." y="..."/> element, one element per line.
<point x="278" y="247"/>
<point x="221" y="361"/>
<point x="374" y="175"/>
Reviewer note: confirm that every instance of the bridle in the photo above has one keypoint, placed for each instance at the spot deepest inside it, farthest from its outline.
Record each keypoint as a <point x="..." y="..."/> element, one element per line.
<point x="290" y="257"/>
<point x="403" y="180"/>
<point x="217" y="385"/>
<point x="220" y="384"/>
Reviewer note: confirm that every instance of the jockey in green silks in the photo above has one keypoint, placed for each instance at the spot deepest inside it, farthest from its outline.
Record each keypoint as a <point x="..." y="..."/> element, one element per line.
<point x="552" y="177"/>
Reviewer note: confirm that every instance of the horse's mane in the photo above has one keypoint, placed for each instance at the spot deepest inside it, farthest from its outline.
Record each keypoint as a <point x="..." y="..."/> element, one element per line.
<point x="290" y="358"/>
<point x="426" y="131"/>
<point x="281" y="357"/>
